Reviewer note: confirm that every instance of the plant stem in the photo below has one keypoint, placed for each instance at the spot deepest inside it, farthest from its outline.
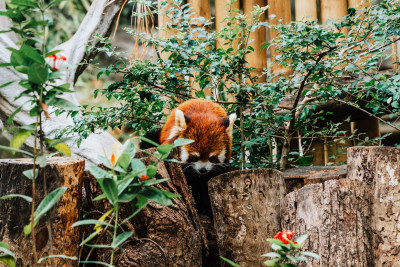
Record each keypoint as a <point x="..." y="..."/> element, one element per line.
<point x="115" y="233"/>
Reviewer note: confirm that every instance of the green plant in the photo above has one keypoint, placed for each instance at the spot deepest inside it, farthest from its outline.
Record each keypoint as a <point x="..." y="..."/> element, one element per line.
<point x="287" y="252"/>
<point x="127" y="180"/>
<point x="324" y="66"/>
<point x="6" y="256"/>
<point x="40" y="68"/>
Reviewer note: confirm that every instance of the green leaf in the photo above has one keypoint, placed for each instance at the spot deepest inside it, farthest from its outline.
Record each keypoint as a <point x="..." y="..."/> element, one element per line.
<point x="90" y="237"/>
<point x="54" y="52"/>
<point x="154" y="181"/>
<point x="310" y="254"/>
<point x="273" y="262"/>
<point x="305" y="160"/>
<point x="99" y="173"/>
<point x="58" y="256"/>
<point x="271" y="254"/>
<point x="41" y="160"/>
<point x="48" y="202"/>
<point x="100" y="197"/>
<point x="230" y="262"/>
<point x="29" y="199"/>
<point x="149" y="141"/>
<point x="63" y="103"/>
<point x="156" y="196"/>
<point x="6" y="84"/>
<point x="141" y="204"/>
<point x="90" y="221"/>
<point x="98" y="246"/>
<point x="182" y="142"/>
<point x="61" y="147"/>
<point x="8" y="260"/>
<point x="165" y="149"/>
<point x="138" y="167"/>
<point x="300" y="240"/>
<point x="19" y="138"/>
<point x="32" y="54"/>
<point x="38" y="74"/>
<point x="275" y="241"/>
<point x="7" y="256"/>
<point x="126" y="197"/>
<point x="110" y="188"/>
<point x="25" y="3"/>
<point x="292" y="259"/>
<point x="52" y="3"/>
<point x="10" y="119"/>
<point x="151" y="171"/>
<point x="16" y="150"/>
<point x="121" y="238"/>
<point x="4" y="245"/>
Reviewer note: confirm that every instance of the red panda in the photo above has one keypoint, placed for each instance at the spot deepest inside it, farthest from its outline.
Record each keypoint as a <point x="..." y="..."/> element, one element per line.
<point x="208" y="125"/>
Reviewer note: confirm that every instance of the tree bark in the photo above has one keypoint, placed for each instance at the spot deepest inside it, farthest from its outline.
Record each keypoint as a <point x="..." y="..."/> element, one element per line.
<point x="379" y="168"/>
<point x="246" y="210"/>
<point x="15" y="212"/>
<point x="163" y="235"/>
<point x="97" y="21"/>
<point x="335" y="215"/>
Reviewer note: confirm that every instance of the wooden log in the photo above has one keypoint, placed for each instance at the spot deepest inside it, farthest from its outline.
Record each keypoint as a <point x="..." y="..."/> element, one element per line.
<point x="163" y="235"/>
<point x="257" y="58"/>
<point x="306" y="10"/>
<point x="15" y="213"/>
<point x="281" y="9"/>
<point x="379" y="168"/>
<point x="335" y="215"/>
<point x="246" y="210"/>
<point x="296" y="178"/>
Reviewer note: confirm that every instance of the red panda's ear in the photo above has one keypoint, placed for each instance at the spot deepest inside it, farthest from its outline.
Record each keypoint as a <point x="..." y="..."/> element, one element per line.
<point x="228" y="122"/>
<point x="180" y="119"/>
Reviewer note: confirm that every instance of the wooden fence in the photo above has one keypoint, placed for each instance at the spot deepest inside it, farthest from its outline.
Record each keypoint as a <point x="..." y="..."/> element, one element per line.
<point x="286" y="11"/>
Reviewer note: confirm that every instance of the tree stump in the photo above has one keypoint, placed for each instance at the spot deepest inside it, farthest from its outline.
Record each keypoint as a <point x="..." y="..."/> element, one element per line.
<point x="246" y="210"/>
<point x="163" y="235"/>
<point x="379" y="168"/>
<point x="15" y="213"/>
<point x="336" y="216"/>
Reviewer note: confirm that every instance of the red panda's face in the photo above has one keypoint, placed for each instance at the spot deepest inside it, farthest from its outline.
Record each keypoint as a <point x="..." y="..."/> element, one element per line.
<point x="212" y="142"/>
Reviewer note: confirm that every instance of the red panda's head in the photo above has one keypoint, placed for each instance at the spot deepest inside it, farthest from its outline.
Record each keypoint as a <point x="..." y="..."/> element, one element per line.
<point x="212" y="137"/>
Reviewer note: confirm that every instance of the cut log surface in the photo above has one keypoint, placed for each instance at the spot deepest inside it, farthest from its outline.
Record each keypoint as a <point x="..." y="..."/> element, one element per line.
<point x="15" y="213"/>
<point x="296" y="178"/>
<point x="163" y="235"/>
<point x="335" y="215"/>
<point x="379" y="167"/>
<point x="246" y="211"/>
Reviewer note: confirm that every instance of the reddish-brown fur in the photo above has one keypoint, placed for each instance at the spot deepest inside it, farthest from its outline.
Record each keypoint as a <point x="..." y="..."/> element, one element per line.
<point x="205" y="126"/>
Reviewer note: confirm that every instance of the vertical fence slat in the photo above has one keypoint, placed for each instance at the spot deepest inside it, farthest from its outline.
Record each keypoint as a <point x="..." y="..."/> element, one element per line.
<point x="221" y="11"/>
<point x="258" y="58"/>
<point x="282" y="11"/>
<point x="306" y="9"/>
<point x="333" y="9"/>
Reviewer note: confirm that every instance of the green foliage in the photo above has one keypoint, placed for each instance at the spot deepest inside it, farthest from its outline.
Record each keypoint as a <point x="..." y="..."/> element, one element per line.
<point x="320" y="59"/>
<point x="127" y="180"/>
<point x="6" y="256"/>
<point x="288" y="253"/>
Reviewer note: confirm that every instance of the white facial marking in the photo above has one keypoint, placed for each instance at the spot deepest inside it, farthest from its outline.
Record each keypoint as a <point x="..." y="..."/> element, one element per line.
<point x="221" y="156"/>
<point x="201" y="164"/>
<point x="184" y="154"/>
<point x="196" y="154"/>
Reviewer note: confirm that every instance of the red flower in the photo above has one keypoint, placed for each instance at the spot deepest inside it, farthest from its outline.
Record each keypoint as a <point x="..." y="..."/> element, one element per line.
<point x="144" y="177"/>
<point x="58" y="60"/>
<point x="285" y="237"/>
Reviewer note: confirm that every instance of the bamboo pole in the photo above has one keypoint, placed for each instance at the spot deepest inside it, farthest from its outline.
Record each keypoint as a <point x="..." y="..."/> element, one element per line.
<point x="306" y="10"/>
<point x="258" y="58"/>
<point x="281" y="9"/>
